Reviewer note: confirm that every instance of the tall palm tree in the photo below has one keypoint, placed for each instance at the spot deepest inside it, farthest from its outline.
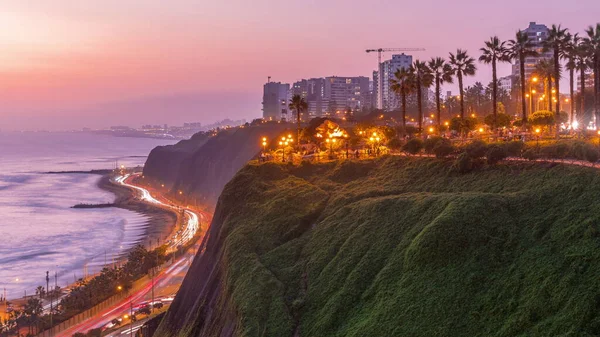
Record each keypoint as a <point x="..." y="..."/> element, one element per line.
<point x="423" y="79"/>
<point x="518" y="50"/>
<point x="462" y="65"/>
<point x="442" y="73"/>
<point x="571" y="51"/>
<point x="545" y="69"/>
<point x="299" y="105"/>
<point x="592" y="43"/>
<point x="404" y="84"/>
<point x="556" y="41"/>
<point x="582" y="64"/>
<point x="494" y="51"/>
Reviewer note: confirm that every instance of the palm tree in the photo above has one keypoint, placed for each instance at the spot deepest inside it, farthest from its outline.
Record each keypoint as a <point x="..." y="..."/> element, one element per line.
<point x="592" y="43"/>
<point x="571" y="51"/>
<point x="462" y="65"/>
<point x="442" y="72"/>
<point x="423" y="79"/>
<point x="582" y="64"/>
<point x="545" y="69"/>
<point x="299" y="105"/>
<point x="518" y="50"/>
<point x="494" y="51"/>
<point x="403" y="84"/>
<point x="40" y="291"/>
<point x="556" y="40"/>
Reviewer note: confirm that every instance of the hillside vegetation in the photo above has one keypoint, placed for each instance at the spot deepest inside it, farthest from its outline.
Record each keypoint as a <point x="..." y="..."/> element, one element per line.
<point x="398" y="247"/>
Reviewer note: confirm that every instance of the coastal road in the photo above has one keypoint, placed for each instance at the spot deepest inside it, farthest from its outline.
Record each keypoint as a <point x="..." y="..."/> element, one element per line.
<point x="167" y="282"/>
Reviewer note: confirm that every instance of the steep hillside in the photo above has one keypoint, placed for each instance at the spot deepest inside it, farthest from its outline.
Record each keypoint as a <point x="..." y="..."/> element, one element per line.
<point x="201" y="166"/>
<point x="397" y="247"/>
<point x="164" y="162"/>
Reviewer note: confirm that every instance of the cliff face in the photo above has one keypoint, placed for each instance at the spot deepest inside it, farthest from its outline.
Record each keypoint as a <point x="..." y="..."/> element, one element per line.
<point x="200" y="167"/>
<point x="397" y="247"/>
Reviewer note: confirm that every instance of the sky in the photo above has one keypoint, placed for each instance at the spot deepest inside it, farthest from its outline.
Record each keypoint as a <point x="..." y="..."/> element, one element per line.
<point x="68" y="64"/>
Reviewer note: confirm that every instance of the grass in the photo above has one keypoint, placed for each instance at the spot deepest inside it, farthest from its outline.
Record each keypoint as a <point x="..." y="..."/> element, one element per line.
<point x="403" y="247"/>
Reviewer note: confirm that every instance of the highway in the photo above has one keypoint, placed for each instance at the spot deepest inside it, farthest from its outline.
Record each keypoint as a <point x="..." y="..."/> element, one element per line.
<point x="166" y="282"/>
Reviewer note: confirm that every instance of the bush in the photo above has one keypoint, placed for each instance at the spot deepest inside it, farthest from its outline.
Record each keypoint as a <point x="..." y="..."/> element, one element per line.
<point x="443" y="149"/>
<point x="542" y="118"/>
<point x="413" y="146"/>
<point x="502" y="119"/>
<point x="495" y="154"/>
<point x="459" y="125"/>
<point x="394" y="144"/>
<point x="558" y="150"/>
<point x="430" y="143"/>
<point x="530" y="154"/>
<point x="514" y="148"/>
<point x="476" y="149"/>
<point x="592" y="154"/>
<point x="463" y="163"/>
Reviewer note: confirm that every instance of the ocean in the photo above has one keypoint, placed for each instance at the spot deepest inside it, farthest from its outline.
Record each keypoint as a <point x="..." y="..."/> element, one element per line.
<point x="39" y="231"/>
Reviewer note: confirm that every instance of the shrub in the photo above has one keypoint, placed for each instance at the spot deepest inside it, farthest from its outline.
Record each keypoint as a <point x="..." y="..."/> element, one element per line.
<point x="502" y="120"/>
<point x="430" y="143"/>
<point x="476" y="149"/>
<point x="514" y="148"/>
<point x="591" y="154"/>
<point x="413" y="146"/>
<point x="530" y="154"/>
<point x="443" y="149"/>
<point x="495" y="154"/>
<point x="542" y="118"/>
<point x="394" y="144"/>
<point x="463" y="163"/>
<point x="459" y="125"/>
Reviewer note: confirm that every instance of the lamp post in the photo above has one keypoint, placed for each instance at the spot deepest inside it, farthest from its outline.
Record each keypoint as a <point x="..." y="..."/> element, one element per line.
<point x="531" y="92"/>
<point x="537" y="132"/>
<point x="264" y="144"/>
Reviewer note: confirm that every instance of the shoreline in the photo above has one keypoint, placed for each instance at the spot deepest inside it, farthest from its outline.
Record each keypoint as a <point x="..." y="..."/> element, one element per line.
<point x="161" y="222"/>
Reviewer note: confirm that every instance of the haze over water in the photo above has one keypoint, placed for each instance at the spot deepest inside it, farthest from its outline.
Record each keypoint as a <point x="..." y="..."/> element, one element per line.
<point x="39" y="230"/>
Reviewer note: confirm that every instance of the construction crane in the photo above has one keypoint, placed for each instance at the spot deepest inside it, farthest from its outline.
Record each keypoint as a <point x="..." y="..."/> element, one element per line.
<point x="380" y="70"/>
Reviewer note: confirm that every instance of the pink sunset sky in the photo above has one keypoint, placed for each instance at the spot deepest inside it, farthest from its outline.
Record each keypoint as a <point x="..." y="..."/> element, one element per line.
<point x="69" y="64"/>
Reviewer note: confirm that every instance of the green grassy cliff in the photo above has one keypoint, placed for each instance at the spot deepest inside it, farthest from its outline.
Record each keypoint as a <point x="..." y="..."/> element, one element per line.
<point x="398" y="247"/>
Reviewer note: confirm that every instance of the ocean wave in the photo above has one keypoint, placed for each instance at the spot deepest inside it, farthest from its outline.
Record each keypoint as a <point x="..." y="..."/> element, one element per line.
<point x="26" y="257"/>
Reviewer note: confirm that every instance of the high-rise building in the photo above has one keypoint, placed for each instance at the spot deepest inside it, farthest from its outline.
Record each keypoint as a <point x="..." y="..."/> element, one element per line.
<point x="537" y="34"/>
<point x="313" y="91"/>
<point x="506" y="83"/>
<point x="390" y="100"/>
<point x="589" y="81"/>
<point x="275" y="100"/>
<point x="342" y="93"/>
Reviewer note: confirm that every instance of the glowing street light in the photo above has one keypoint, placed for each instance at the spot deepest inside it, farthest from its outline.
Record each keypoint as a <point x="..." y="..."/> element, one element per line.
<point x="430" y="130"/>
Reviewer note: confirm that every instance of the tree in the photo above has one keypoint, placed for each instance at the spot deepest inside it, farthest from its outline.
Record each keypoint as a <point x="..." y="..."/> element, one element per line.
<point x="462" y="65"/>
<point x="442" y="73"/>
<point x="423" y="79"/>
<point x="556" y="41"/>
<point x="518" y="50"/>
<point x="403" y="84"/>
<point x="542" y="118"/>
<point x="298" y="104"/>
<point x="570" y="53"/>
<point x="582" y="64"/>
<point x="494" y="51"/>
<point x="592" y="43"/>
<point x="501" y="120"/>
<point x="40" y="291"/>
<point x="545" y="69"/>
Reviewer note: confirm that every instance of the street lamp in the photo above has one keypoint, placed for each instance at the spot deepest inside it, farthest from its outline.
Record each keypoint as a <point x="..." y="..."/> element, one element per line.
<point x="537" y="132"/>
<point x="264" y="144"/>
